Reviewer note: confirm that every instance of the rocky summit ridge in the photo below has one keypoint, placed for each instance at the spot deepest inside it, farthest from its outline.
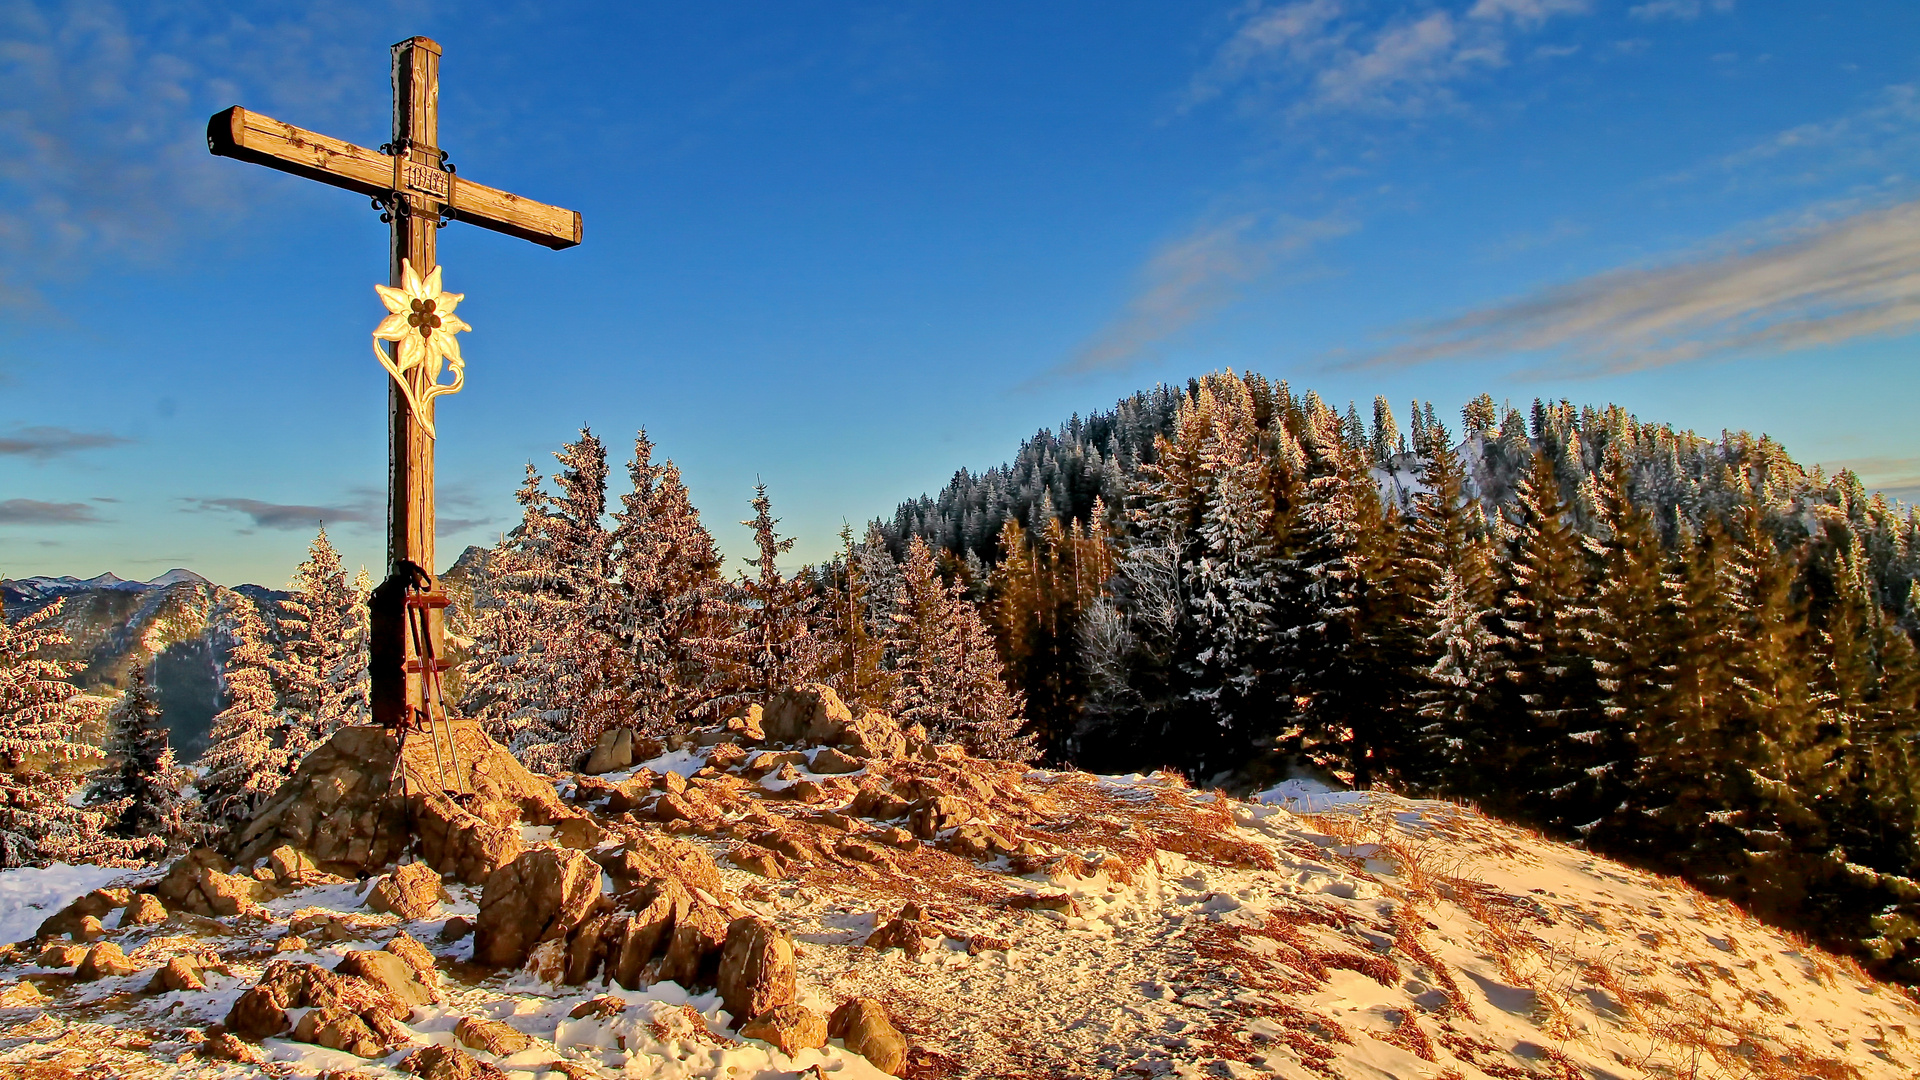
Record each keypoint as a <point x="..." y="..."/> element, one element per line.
<point x="801" y="892"/>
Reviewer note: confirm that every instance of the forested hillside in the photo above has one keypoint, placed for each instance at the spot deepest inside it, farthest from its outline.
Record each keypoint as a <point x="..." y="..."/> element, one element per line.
<point x="1691" y="652"/>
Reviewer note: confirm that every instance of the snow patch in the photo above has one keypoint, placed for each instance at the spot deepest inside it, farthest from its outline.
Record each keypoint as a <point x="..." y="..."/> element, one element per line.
<point x="28" y="894"/>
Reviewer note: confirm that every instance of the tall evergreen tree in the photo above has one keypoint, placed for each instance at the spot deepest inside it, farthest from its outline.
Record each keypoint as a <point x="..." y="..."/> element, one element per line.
<point x="1545" y="630"/>
<point x="949" y="670"/>
<point x="245" y="763"/>
<point x="774" y="647"/>
<point x="318" y="654"/>
<point x="40" y="716"/>
<point x="139" y="788"/>
<point x="672" y="611"/>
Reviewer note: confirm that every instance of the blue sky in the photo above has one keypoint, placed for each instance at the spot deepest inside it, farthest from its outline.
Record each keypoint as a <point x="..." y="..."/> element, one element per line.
<point x="847" y="249"/>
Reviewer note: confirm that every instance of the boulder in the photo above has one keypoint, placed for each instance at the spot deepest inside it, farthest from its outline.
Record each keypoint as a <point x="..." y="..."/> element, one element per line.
<point x="260" y="1013"/>
<point x="416" y="957"/>
<point x="178" y="974"/>
<point x="633" y="940"/>
<point x="810" y="712"/>
<point x="579" y="833"/>
<point x="454" y="929"/>
<point x="863" y="851"/>
<point x="225" y="1046"/>
<point x="756" y="968"/>
<point x="648" y="855"/>
<point x="61" y="956"/>
<point x="70" y="921"/>
<point x="412" y="891"/>
<point x="747" y="724"/>
<point x="291" y="943"/>
<point x="757" y="860"/>
<point x="908" y="931"/>
<point x="612" y="753"/>
<point x="863" y="1026"/>
<point x="200" y="882"/>
<point x="145" y="910"/>
<point x="693" y="955"/>
<point x="938" y="813"/>
<point x="104" y="960"/>
<point x="600" y="1008"/>
<point x="460" y="844"/>
<point x="587" y="950"/>
<point x="874" y="735"/>
<point x="338" y="1029"/>
<point x="491" y="1036"/>
<point x="828" y="760"/>
<point x="540" y="896"/>
<point x="790" y="1028"/>
<point x="979" y="841"/>
<point x="392" y="974"/>
<point x="448" y="1063"/>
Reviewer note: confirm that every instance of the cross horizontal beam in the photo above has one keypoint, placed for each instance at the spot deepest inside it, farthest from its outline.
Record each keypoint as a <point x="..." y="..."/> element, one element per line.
<point x="262" y="140"/>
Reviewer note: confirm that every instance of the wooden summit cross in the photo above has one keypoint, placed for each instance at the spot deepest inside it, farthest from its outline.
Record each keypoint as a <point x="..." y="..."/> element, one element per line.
<point x="409" y="180"/>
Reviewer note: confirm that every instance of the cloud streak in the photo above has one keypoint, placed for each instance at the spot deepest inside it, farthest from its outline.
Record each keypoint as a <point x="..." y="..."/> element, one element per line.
<point x="1325" y="59"/>
<point x="35" y="512"/>
<point x="1192" y="278"/>
<point x="287" y="516"/>
<point x="46" y="443"/>
<point x="1852" y="278"/>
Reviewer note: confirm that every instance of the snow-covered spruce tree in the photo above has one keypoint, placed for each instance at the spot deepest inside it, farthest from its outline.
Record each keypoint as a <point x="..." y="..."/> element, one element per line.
<point x="672" y="612"/>
<point x="550" y="672"/>
<point x="949" y="670"/>
<point x="1445" y="563"/>
<point x="1551" y="694"/>
<point x="774" y="647"/>
<point x="350" y="682"/>
<point x="138" y="788"/>
<point x="1319" y="634"/>
<point x="856" y="655"/>
<point x="1233" y="588"/>
<point x="40" y="711"/>
<point x="244" y="762"/>
<point x="1635" y="638"/>
<point x="314" y="663"/>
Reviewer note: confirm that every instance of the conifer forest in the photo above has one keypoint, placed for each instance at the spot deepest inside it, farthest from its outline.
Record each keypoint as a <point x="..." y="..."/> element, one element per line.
<point x="1691" y="654"/>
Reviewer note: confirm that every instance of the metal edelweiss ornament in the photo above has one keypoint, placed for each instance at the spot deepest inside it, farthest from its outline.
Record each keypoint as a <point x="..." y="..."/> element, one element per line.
<point x="421" y="325"/>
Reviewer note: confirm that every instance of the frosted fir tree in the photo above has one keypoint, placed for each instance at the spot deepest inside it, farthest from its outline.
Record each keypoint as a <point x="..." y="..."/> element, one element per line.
<point x="245" y="763"/>
<point x="40" y="714"/>
<point x="774" y="647"/>
<point x="855" y="655"/>
<point x="950" y="673"/>
<point x="318" y="652"/>
<point x="551" y="676"/>
<point x="672" y="613"/>
<point x="139" y="788"/>
<point x="350" y="681"/>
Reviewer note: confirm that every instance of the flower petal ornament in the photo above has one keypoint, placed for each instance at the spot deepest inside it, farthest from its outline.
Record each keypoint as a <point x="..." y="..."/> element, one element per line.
<point x="420" y="322"/>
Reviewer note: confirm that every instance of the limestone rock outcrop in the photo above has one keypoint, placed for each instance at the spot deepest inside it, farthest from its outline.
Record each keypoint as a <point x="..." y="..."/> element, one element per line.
<point x="340" y="809"/>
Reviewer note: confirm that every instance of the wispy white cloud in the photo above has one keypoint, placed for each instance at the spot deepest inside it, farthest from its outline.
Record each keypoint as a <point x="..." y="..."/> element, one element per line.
<point x="1842" y="280"/>
<point x="1194" y="277"/>
<point x="103" y="108"/>
<point x="1678" y="9"/>
<point x="1321" y="55"/>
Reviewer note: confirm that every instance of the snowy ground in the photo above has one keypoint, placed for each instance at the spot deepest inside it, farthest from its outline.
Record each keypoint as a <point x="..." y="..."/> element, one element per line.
<point x="1303" y="933"/>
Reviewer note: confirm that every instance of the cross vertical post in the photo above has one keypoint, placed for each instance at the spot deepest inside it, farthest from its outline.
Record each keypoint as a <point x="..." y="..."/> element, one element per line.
<point x="415" y="225"/>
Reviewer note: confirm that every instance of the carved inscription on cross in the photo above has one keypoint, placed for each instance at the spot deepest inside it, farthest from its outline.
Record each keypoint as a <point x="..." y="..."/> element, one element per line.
<point x="411" y="180"/>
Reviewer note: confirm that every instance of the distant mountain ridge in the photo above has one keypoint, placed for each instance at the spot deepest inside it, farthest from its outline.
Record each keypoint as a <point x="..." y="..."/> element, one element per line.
<point x="46" y="588"/>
